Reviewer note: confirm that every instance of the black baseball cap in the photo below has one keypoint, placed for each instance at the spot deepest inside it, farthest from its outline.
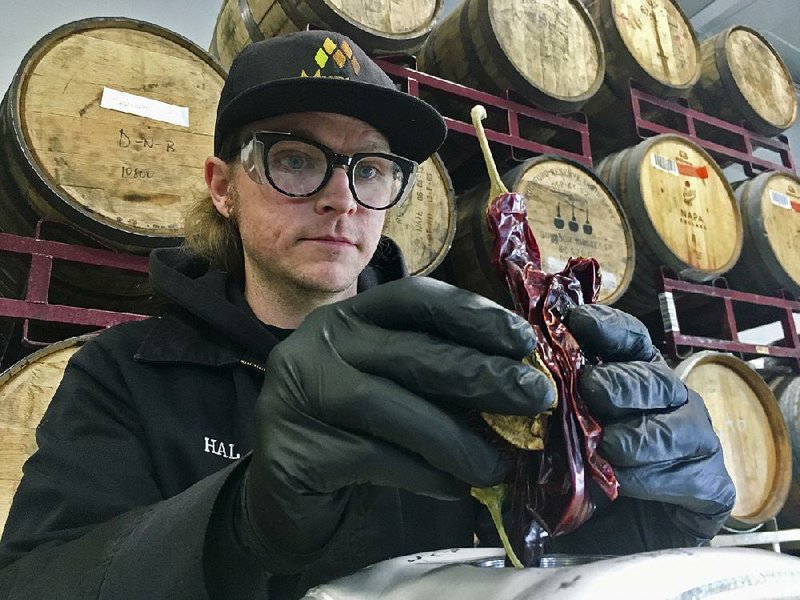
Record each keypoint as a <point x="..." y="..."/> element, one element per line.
<point x="323" y="71"/>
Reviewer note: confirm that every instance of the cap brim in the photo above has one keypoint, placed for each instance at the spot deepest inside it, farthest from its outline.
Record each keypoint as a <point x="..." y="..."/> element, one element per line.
<point x="414" y="129"/>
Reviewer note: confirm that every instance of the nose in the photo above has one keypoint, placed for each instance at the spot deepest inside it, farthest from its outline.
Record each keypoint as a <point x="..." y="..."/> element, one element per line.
<point x="336" y="195"/>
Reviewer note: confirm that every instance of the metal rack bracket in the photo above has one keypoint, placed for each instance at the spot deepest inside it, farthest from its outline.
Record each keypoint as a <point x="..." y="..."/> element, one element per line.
<point x="726" y="336"/>
<point x="35" y="304"/>
<point x="748" y="141"/>
<point x="412" y="80"/>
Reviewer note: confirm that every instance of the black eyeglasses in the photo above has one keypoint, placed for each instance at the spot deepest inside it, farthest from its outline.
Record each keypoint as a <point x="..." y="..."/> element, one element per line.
<point x="300" y="168"/>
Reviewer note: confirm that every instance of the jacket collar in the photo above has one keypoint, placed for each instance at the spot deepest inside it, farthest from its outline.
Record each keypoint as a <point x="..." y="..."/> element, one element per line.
<point x="208" y="322"/>
<point x="179" y="337"/>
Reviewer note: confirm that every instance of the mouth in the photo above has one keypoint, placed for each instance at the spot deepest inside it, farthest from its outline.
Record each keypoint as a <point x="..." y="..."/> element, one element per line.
<point x="333" y="241"/>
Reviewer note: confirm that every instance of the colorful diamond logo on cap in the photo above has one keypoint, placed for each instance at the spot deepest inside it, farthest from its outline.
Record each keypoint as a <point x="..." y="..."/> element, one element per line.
<point x="321" y="58"/>
<point x="348" y="52"/>
<point x="340" y="54"/>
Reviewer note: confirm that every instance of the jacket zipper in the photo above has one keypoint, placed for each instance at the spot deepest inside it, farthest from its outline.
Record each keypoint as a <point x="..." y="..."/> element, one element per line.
<point x="253" y="365"/>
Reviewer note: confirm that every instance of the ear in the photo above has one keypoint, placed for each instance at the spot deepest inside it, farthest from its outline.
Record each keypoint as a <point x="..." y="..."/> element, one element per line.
<point x="218" y="177"/>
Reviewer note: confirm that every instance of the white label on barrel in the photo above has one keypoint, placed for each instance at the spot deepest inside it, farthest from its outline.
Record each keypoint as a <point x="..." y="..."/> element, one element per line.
<point x="779" y="199"/>
<point x="664" y="164"/>
<point x="144" y="107"/>
<point x="668" y="312"/>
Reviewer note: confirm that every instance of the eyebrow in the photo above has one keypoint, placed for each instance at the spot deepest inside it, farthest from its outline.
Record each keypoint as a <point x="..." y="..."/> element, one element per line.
<point x="370" y="146"/>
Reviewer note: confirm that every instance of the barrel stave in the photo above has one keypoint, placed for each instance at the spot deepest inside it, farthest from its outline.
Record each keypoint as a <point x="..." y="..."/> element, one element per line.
<point x="753" y="432"/>
<point x="424" y="225"/>
<point x="682" y="211"/>
<point x="26" y="390"/>
<point x="743" y="78"/>
<point x="379" y="27"/>
<point x="570" y="212"/>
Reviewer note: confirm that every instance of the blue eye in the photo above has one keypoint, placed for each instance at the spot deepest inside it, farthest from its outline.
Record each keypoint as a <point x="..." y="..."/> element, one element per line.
<point x="366" y="171"/>
<point x="294" y="156"/>
<point x="294" y="161"/>
<point x="375" y="168"/>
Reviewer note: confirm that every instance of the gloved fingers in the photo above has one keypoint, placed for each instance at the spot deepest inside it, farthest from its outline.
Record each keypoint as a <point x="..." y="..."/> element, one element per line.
<point x="384" y="411"/>
<point x="339" y="459"/>
<point x="661" y="438"/>
<point x="450" y="374"/>
<point x="698" y="491"/>
<point x="610" y="334"/>
<point x="434" y="307"/>
<point x="614" y="391"/>
<point x="299" y="484"/>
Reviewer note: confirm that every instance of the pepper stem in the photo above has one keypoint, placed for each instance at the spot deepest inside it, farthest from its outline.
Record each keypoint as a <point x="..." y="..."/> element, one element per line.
<point x="492" y="498"/>
<point x="497" y="186"/>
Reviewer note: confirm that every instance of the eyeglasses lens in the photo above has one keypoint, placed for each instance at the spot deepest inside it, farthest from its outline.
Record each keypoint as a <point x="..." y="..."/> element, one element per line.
<point x="296" y="167"/>
<point x="299" y="168"/>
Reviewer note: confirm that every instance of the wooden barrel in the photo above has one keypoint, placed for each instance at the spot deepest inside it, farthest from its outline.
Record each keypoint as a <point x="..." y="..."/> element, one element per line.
<point x="682" y="211"/>
<point x="755" y="439"/>
<point x="743" y="78"/>
<point x="650" y="42"/>
<point x="787" y="391"/>
<point x="26" y="389"/>
<point x="770" y="259"/>
<point x="548" y="51"/>
<point x="378" y="26"/>
<point x="571" y="213"/>
<point x="106" y="126"/>
<point x="424" y="225"/>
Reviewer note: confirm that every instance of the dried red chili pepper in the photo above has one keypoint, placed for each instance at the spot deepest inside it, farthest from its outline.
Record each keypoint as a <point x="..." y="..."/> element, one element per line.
<point x="549" y="487"/>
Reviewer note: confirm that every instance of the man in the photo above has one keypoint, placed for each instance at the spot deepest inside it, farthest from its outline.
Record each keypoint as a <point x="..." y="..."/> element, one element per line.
<point x="286" y="335"/>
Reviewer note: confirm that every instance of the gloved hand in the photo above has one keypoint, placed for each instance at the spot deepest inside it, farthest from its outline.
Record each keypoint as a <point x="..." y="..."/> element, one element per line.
<point x="373" y="389"/>
<point x="656" y="434"/>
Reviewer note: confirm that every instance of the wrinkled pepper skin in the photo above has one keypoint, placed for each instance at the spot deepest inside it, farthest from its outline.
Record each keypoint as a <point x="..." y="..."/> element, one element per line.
<point x="549" y="487"/>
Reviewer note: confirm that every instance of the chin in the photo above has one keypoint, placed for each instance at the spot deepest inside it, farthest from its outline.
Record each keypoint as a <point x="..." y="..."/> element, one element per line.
<point x="332" y="281"/>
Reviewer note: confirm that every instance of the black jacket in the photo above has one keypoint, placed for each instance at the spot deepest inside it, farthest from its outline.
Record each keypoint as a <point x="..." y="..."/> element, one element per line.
<point x="152" y="423"/>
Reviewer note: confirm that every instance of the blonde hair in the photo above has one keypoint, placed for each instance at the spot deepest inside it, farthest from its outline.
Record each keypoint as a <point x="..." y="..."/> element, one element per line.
<point x="214" y="237"/>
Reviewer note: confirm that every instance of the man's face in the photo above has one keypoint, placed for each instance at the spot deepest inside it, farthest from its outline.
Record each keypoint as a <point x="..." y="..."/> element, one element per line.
<point x="316" y="245"/>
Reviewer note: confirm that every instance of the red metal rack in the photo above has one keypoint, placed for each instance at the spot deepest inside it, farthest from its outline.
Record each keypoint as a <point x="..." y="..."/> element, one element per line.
<point x="717" y="315"/>
<point x="35" y="304"/>
<point x="413" y="81"/>
<point x="707" y="132"/>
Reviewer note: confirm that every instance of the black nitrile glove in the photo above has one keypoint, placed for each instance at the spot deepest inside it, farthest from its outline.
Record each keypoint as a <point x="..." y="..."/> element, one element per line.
<point x="374" y="389"/>
<point x="656" y="433"/>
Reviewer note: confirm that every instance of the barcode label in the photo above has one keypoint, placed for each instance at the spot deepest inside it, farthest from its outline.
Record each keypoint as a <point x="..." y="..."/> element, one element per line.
<point x="779" y="199"/>
<point x="663" y="163"/>
<point x="669" y="315"/>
